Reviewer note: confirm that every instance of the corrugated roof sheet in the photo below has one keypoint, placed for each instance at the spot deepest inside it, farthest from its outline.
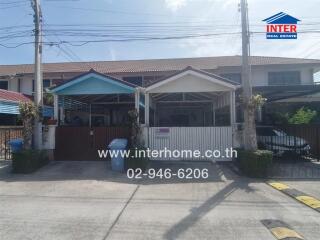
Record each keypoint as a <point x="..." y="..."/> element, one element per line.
<point x="152" y="65"/>
<point x="13" y="96"/>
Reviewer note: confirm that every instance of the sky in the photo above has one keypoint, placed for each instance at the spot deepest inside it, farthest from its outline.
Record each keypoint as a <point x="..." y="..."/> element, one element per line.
<point x="163" y="18"/>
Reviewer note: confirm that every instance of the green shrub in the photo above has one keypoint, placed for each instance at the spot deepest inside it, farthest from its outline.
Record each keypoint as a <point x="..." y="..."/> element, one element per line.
<point x="28" y="161"/>
<point x="302" y="116"/>
<point x="136" y="162"/>
<point x="254" y="163"/>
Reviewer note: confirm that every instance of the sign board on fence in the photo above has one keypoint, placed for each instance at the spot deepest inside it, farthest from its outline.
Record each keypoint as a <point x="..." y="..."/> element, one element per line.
<point x="162" y="132"/>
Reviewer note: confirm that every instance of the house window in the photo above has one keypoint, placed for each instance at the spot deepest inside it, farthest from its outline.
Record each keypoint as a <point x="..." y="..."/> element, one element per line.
<point x="45" y="84"/>
<point x="151" y="79"/>
<point x="135" y="80"/>
<point x="235" y="77"/>
<point x="4" y="85"/>
<point x="284" y="78"/>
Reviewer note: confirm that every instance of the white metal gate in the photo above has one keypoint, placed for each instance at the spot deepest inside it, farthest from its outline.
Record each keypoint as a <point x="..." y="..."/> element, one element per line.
<point x="188" y="139"/>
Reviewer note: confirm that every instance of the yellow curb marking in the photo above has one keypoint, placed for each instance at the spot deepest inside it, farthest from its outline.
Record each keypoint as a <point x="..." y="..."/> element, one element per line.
<point x="279" y="186"/>
<point x="310" y="201"/>
<point x="283" y="232"/>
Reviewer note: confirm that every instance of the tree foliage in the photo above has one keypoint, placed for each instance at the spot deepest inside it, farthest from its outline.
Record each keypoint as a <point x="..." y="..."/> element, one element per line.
<point x="302" y="116"/>
<point x="48" y="98"/>
<point x="28" y="112"/>
<point x="135" y="128"/>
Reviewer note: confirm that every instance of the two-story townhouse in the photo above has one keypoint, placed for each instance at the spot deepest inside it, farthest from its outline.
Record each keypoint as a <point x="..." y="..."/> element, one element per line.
<point x="181" y="102"/>
<point x="275" y="78"/>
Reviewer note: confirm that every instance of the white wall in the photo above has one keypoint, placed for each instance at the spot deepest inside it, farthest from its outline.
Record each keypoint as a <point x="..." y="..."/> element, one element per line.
<point x="26" y="86"/>
<point x="260" y="73"/>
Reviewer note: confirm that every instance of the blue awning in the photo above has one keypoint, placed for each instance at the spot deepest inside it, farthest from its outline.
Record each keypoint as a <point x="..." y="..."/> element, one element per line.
<point x="9" y="107"/>
<point x="92" y="83"/>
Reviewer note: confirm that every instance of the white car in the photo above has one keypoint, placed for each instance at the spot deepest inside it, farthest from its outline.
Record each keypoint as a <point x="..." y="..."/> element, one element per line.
<point x="280" y="143"/>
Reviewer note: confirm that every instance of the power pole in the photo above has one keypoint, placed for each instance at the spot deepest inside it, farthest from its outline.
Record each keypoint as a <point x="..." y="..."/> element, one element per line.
<point x="38" y="93"/>
<point x="249" y="131"/>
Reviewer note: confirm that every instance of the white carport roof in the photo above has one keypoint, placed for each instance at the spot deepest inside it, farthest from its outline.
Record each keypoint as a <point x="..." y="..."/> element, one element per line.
<point x="192" y="80"/>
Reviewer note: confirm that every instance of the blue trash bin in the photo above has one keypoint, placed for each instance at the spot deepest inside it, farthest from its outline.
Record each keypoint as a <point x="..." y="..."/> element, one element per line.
<point x="117" y="162"/>
<point x="16" y="145"/>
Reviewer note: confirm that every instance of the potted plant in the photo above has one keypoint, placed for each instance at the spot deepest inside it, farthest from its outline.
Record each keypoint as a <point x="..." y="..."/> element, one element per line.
<point x="50" y="121"/>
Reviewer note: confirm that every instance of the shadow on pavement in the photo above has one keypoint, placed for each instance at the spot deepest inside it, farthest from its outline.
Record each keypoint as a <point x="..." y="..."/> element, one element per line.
<point x="197" y="213"/>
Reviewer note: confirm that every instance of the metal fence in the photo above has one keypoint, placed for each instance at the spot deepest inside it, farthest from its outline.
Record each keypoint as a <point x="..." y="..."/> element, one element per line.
<point x="7" y="134"/>
<point x="189" y="138"/>
<point x="296" y="150"/>
<point x="291" y="142"/>
<point x="310" y="133"/>
<point x="83" y="143"/>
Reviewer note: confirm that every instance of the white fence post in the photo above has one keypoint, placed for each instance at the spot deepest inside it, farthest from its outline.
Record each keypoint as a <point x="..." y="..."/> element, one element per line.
<point x="147" y="108"/>
<point x="137" y="103"/>
<point x="56" y="106"/>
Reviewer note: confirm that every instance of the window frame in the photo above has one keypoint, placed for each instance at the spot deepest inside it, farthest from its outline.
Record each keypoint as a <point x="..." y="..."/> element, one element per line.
<point x="5" y="81"/>
<point x="43" y="87"/>
<point x="44" y="81"/>
<point x="224" y="75"/>
<point x="284" y="78"/>
<point x="126" y="78"/>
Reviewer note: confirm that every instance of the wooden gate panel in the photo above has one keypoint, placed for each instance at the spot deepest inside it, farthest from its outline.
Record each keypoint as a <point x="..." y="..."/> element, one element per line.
<point x="83" y="143"/>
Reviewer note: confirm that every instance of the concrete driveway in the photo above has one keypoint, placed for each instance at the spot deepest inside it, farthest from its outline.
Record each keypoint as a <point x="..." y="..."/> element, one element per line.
<point x="84" y="200"/>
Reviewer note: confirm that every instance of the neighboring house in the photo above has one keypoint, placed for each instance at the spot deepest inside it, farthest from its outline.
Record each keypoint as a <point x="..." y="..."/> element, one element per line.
<point x="9" y="106"/>
<point x="183" y="103"/>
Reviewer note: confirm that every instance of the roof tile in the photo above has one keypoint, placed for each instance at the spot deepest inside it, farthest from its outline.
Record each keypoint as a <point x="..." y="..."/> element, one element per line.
<point x="151" y="65"/>
<point x="13" y="96"/>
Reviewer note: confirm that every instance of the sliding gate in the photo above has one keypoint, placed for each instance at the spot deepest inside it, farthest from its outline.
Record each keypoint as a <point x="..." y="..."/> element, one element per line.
<point x="200" y="139"/>
<point x="83" y="143"/>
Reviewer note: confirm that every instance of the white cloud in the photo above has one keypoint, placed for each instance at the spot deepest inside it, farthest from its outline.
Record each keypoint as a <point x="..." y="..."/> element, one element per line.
<point x="174" y="5"/>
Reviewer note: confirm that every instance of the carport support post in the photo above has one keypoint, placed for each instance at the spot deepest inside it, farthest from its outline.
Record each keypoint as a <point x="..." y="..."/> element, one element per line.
<point x="137" y="103"/>
<point x="90" y="115"/>
<point x="213" y="114"/>
<point x="56" y="107"/>
<point x="147" y="108"/>
<point x="232" y="108"/>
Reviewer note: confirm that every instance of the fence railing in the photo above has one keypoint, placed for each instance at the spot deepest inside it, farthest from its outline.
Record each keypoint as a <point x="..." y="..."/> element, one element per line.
<point x="296" y="151"/>
<point x="304" y="139"/>
<point x="8" y="133"/>
<point x="83" y="143"/>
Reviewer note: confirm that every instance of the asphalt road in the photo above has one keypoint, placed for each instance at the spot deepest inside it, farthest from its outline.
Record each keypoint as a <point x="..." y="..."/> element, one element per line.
<point x="84" y="200"/>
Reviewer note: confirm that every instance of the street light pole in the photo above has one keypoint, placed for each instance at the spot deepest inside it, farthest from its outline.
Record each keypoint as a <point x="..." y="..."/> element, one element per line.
<point x="38" y="93"/>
